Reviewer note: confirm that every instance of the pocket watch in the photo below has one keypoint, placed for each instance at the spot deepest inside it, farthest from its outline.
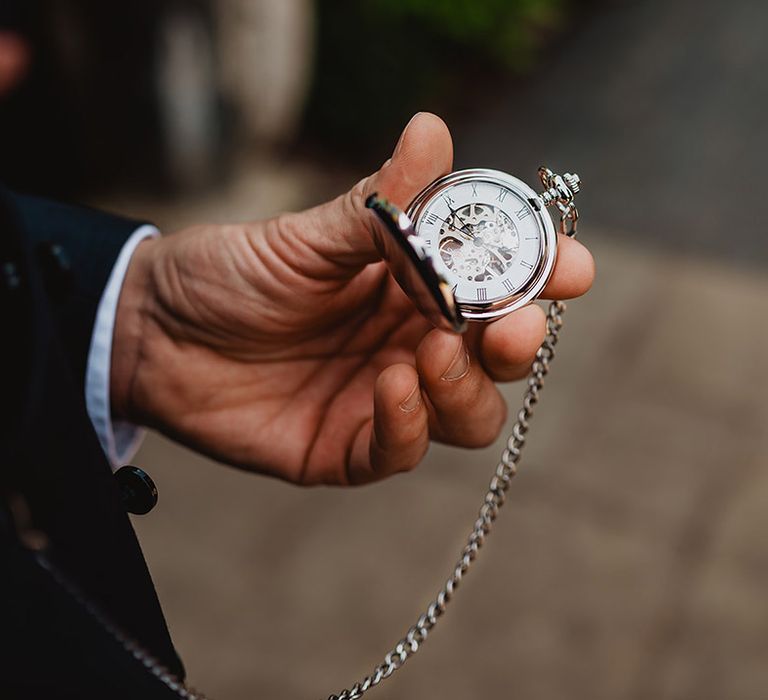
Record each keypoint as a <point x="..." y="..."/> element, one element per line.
<point x="476" y="244"/>
<point x="473" y="246"/>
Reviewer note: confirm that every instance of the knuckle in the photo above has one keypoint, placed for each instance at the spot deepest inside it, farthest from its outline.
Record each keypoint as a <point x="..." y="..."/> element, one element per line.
<point x="354" y="199"/>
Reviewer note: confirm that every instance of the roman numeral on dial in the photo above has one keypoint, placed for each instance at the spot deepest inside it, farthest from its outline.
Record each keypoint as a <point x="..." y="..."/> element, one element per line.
<point x="430" y="219"/>
<point x="508" y="285"/>
<point x="474" y="189"/>
<point x="448" y="199"/>
<point x="482" y="294"/>
<point x="502" y="194"/>
<point x="522" y="213"/>
<point x="526" y="264"/>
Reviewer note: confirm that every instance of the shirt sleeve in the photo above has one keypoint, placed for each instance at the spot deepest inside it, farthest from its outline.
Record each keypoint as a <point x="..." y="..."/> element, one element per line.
<point x="119" y="440"/>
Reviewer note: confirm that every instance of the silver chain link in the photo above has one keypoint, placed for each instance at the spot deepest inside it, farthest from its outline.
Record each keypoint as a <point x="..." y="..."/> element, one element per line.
<point x="492" y="502"/>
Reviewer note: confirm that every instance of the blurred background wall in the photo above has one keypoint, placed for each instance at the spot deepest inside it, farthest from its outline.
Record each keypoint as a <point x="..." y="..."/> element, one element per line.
<point x="631" y="560"/>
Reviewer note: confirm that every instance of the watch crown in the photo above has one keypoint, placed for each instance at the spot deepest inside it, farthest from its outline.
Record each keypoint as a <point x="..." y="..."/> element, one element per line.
<point x="573" y="181"/>
<point x="559" y="189"/>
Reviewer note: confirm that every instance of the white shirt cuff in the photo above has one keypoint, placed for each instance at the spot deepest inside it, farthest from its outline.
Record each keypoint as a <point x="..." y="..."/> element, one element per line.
<point x="119" y="440"/>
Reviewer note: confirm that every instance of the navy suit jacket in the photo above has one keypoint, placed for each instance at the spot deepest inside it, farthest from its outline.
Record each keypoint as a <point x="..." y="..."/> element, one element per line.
<point x="67" y="611"/>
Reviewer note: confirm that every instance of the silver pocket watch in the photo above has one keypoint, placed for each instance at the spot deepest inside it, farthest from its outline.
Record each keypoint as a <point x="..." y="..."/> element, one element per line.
<point x="476" y="244"/>
<point x="473" y="246"/>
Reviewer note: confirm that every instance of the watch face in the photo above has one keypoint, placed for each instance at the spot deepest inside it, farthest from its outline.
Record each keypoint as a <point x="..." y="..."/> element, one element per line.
<point x="491" y="233"/>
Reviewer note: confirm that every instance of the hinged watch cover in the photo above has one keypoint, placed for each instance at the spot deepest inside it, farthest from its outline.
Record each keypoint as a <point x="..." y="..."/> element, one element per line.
<point x="428" y="284"/>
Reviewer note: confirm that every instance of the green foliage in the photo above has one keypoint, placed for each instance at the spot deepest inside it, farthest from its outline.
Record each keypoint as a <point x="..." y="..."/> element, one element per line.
<point x="380" y="60"/>
<point x="506" y="30"/>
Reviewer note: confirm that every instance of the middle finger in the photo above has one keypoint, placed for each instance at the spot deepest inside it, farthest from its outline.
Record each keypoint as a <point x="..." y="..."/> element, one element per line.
<point x="465" y="407"/>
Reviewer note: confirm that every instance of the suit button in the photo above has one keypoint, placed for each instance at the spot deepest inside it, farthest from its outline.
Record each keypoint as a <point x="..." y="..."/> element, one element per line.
<point x="138" y="493"/>
<point x="57" y="270"/>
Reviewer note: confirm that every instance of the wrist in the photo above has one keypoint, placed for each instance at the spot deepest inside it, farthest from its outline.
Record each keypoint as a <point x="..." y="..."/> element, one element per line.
<point x="134" y="311"/>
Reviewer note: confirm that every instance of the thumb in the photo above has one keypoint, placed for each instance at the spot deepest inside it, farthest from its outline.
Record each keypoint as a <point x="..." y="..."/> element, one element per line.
<point x="423" y="153"/>
<point x="341" y="229"/>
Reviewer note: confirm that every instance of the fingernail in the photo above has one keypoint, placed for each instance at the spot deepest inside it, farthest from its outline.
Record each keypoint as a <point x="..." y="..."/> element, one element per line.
<point x="459" y="366"/>
<point x="412" y="401"/>
<point x="402" y="135"/>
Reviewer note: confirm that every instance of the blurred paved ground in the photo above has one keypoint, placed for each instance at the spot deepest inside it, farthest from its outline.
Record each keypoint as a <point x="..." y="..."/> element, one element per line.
<point x="631" y="561"/>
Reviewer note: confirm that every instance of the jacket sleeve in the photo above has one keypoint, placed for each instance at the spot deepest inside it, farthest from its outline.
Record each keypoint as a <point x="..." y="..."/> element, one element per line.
<point x="75" y="248"/>
<point x="52" y="464"/>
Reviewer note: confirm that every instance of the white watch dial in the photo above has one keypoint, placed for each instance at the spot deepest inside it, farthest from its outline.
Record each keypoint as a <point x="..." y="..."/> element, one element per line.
<point x="486" y="235"/>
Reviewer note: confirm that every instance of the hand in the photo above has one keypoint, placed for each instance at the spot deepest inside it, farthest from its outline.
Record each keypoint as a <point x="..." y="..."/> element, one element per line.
<point x="283" y="346"/>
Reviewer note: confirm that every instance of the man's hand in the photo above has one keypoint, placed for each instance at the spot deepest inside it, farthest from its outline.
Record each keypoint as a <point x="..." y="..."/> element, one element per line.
<point x="284" y="346"/>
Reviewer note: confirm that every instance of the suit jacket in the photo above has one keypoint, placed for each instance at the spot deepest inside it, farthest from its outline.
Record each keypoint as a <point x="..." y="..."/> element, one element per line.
<point x="79" y="616"/>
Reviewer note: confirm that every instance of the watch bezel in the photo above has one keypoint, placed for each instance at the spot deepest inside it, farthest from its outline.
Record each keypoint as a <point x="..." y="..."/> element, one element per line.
<point x="537" y="280"/>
